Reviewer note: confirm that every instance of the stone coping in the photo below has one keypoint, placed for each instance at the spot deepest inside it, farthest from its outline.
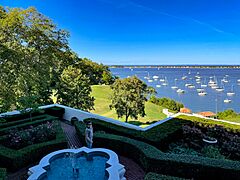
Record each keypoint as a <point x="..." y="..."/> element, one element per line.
<point x="114" y="169"/>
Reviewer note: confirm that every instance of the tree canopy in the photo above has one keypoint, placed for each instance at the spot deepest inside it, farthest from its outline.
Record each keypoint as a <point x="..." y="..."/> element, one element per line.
<point x="35" y="57"/>
<point x="129" y="97"/>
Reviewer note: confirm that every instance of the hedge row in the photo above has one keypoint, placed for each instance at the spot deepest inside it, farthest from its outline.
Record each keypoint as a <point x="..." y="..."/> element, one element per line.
<point x="53" y="111"/>
<point x="27" y="123"/>
<point x="14" y="123"/>
<point x="158" y="136"/>
<point x="154" y="160"/>
<point x="16" y="159"/>
<point x="3" y="173"/>
<point x="16" y="117"/>
<point x="155" y="176"/>
<point x="208" y="123"/>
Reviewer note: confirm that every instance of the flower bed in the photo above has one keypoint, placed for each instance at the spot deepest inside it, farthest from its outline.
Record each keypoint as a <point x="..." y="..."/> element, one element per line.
<point x="221" y="142"/>
<point x="24" y="143"/>
<point x="30" y="135"/>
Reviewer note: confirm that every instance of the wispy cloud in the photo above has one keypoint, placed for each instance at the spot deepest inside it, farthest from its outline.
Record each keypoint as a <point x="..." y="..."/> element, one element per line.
<point x="127" y="4"/>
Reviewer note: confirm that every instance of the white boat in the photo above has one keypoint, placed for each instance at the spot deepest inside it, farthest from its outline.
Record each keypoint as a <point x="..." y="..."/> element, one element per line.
<point x="198" y="77"/>
<point x="150" y="80"/>
<point x="184" y="77"/>
<point x="231" y="93"/>
<point x="158" y="85"/>
<point x="202" y="93"/>
<point x="214" y="86"/>
<point x="219" y="89"/>
<point x="189" y="72"/>
<point x="186" y="85"/>
<point x="203" y="85"/>
<point x="180" y="91"/>
<point x="155" y="77"/>
<point x="227" y="101"/>
<point x="191" y="87"/>
<point x="238" y="80"/>
<point x="175" y="86"/>
<point x="200" y="89"/>
<point x="165" y="83"/>
<point x="161" y="80"/>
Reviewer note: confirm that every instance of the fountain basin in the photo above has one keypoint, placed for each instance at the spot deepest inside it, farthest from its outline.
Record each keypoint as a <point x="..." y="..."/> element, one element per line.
<point x="60" y="163"/>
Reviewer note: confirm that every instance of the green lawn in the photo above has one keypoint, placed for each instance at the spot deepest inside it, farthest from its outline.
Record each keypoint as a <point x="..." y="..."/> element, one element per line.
<point x="102" y="95"/>
<point x="234" y="119"/>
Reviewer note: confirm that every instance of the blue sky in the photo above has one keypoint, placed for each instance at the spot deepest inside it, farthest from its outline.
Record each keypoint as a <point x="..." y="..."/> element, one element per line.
<point x="147" y="31"/>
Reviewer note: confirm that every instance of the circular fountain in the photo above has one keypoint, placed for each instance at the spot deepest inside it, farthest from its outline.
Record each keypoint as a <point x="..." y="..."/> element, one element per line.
<point x="82" y="163"/>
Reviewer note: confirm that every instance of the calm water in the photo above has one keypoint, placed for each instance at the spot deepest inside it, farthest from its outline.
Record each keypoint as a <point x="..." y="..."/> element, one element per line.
<point x="61" y="169"/>
<point x="213" y="101"/>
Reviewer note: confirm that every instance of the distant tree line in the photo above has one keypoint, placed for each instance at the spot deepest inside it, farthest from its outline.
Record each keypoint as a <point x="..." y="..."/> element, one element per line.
<point x="167" y="103"/>
<point x="227" y="114"/>
<point x="36" y="61"/>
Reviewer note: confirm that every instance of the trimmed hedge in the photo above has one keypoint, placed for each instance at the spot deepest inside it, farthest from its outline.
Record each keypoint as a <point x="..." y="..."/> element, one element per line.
<point x="16" y="159"/>
<point x="208" y="123"/>
<point x="155" y="176"/>
<point x="154" y="160"/>
<point x="29" y="122"/>
<point x="16" y="117"/>
<point x="14" y="123"/>
<point x="3" y="173"/>
<point x="55" y="111"/>
<point x="158" y="136"/>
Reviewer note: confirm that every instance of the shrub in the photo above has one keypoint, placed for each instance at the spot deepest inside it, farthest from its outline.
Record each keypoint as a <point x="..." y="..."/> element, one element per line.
<point x="28" y="123"/>
<point x="3" y="173"/>
<point x="155" y="176"/>
<point x="167" y="103"/>
<point x="212" y="152"/>
<point x="32" y="135"/>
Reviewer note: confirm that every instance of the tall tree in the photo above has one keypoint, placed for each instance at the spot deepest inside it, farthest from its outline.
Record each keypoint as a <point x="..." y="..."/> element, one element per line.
<point x="33" y="53"/>
<point x="129" y="97"/>
<point x="75" y="89"/>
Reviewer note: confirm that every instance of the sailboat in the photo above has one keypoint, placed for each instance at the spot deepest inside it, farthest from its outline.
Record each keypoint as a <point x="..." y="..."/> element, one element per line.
<point x="158" y="85"/>
<point x="165" y="82"/>
<point x="155" y="77"/>
<point x="220" y="89"/>
<point x="147" y="77"/>
<point x="227" y="100"/>
<point x="174" y="87"/>
<point x="204" y="85"/>
<point x="200" y="89"/>
<point x="202" y="93"/>
<point x="231" y="93"/>
<point x="180" y="91"/>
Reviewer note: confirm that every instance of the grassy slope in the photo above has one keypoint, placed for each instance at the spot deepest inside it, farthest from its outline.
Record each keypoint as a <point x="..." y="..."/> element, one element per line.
<point x="102" y="94"/>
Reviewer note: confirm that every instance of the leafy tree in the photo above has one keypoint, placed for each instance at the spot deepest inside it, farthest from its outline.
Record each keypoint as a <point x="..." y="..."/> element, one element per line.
<point x="97" y="73"/>
<point x="227" y="114"/>
<point x="129" y="97"/>
<point x="75" y="89"/>
<point x="167" y="103"/>
<point x="28" y="104"/>
<point x="33" y="53"/>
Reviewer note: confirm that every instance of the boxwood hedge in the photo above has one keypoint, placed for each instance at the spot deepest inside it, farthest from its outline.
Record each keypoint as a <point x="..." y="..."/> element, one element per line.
<point x="16" y="159"/>
<point x="154" y="160"/>
<point x="155" y="176"/>
<point x="3" y="173"/>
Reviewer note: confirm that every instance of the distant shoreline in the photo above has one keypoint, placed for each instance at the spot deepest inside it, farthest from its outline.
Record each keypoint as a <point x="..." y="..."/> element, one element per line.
<point x="178" y="66"/>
